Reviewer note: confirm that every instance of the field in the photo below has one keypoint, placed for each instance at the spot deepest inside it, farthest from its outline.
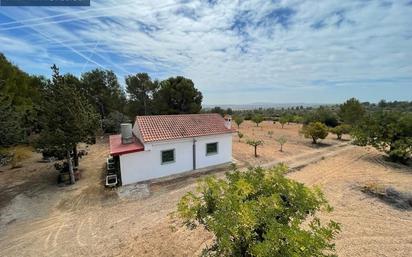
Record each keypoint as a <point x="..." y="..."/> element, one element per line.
<point x="296" y="146"/>
<point x="39" y="218"/>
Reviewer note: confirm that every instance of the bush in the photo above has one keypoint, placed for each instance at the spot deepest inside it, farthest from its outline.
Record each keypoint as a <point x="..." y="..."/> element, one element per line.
<point x="340" y="130"/>
<point x="19" y="153"/>
<point x="240" y="135"/>
<point x="315" y="130"/>
<point x="259" y="213"/>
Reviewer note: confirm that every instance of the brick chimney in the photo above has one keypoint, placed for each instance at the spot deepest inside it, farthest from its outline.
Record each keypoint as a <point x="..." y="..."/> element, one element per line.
<point x="228" y="121"/>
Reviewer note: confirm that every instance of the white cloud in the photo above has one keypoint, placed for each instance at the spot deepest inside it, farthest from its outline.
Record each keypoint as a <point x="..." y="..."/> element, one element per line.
<point x="354" y="41"/>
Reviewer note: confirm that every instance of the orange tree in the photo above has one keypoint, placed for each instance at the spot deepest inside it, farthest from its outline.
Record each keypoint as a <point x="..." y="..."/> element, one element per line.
<point x="259" y="213"/>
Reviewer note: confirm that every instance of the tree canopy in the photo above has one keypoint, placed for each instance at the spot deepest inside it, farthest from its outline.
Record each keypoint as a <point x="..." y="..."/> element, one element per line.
<point x="340" y="130"/>
<point x="23" y="98"/>
<point x="315" y="130"/>
<point x="68" y="118"/>
<point x="103" y="91"/>
<point x="260" y="213"/>
<point x="257" y="119"/>
<point x="178" y="95"/>
<point x="388" y="131"/>
<point x="351" y="111"/>
<point x="141" y="89"/>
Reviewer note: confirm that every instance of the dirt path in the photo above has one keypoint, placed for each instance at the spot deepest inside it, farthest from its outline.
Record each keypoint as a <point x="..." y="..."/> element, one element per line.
<point x="369" y="226"/>
<point x="87" y="220"/>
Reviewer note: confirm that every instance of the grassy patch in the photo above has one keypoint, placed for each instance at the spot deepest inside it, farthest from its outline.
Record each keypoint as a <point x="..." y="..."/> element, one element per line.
<point x="15" y="155"/>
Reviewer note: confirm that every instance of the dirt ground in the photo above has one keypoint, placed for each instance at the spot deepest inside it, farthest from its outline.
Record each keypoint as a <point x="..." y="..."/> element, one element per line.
<point x="296" y="144"/>
<point x="39" y="218"/>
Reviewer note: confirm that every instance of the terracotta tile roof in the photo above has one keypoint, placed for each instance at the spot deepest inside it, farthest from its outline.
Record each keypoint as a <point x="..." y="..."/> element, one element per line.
<point x="166" y="127"/>
<point x="117" y="148"/>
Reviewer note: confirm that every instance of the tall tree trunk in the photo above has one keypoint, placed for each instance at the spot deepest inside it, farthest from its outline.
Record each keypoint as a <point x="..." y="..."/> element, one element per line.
<point x="71" y="173"/>
<point x="75" y="157"/>
<point x="281" y="148"/>
<point x="255" y="151"/>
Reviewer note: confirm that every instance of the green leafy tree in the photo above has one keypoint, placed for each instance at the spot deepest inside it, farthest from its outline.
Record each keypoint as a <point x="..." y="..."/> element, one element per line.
<point x="68" y="119"/>
<point x="257" y="119"/>
<point x="102" y="90"/>
<point x="20" y="98"/>
<point x="178" y="95"/>
<point x="322" y="114"/>
<point x="297" y="119"/>
<point x="351" y="111"/>
<point x="281" y="140"/>
<point x="260" y="213"/>
<point x="289" y="117"/>
<point x="387" y="131"/>
<point x="283" y="120"/>
<point x="240" y="135"/>
<point x="255" y="144"/>
<point x="340" y="130"/>
<point x="141" y="90"/>
<point x="315" y="130"/>
<point x="238" y="120"/>
<point x="111" y="124"/>
<point x="11" y="131"/>
<point x="217" y="109"/>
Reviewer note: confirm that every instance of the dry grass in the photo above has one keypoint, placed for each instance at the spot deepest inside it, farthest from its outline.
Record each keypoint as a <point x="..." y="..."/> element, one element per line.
<point x="388" y="194"/>
<point x="19" y="154"/>
<point x="269" y="151"/>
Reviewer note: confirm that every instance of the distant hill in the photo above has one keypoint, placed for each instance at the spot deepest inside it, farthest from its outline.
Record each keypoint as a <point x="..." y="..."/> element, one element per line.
<point x="252" y="106"/>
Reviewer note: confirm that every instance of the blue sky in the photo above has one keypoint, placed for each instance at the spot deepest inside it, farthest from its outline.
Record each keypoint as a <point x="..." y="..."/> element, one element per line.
<point x="235" y="51"/>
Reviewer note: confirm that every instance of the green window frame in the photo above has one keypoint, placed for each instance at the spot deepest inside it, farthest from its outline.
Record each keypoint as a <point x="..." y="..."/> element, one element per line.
<point x="211" y="148"/>
<point x="168" y="156"/>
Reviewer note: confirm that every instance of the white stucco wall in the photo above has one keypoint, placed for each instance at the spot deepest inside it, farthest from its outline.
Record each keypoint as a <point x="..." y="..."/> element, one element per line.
<point x="146" y="165"/>
<point x="224" y="150"/>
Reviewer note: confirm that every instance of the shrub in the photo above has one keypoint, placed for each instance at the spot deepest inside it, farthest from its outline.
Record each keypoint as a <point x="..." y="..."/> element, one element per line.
<point x="340" y="130"/>
<point x="315" y="130"/>
<point x="270" y="133"/>
<point x="19" y="153"/>
<point x="260" y="213"/>
<point x="240" y="135"/>
<point x="390" y="195"/>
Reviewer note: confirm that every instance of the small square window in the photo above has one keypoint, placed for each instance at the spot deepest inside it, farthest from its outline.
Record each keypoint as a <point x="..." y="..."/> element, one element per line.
<point x="211" y="148"/>
<point x="168" y="156"/>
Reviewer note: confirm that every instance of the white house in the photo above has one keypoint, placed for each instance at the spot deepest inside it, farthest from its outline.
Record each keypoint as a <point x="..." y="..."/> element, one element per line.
<point x="163" y="145"/>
